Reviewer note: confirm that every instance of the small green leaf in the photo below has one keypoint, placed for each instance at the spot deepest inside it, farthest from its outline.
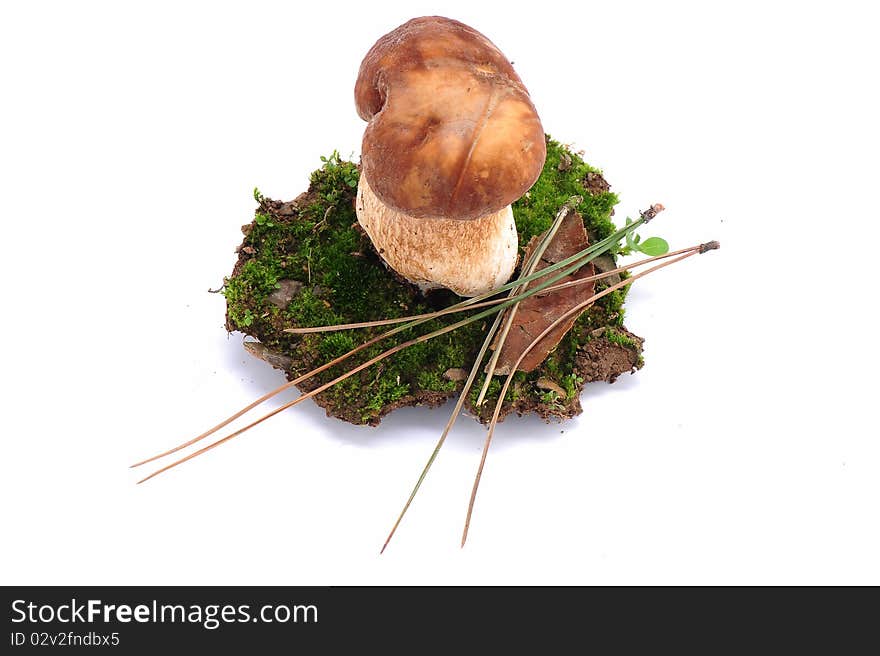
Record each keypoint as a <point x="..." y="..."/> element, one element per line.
<point x="654" y="246"/>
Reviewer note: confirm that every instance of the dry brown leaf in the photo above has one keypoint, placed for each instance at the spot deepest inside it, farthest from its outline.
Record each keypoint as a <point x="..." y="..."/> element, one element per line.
<point x="537" y="312"/>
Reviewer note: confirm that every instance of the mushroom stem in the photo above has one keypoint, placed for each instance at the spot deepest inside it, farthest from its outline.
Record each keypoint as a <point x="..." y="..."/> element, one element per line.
<point x="468" y="257"/>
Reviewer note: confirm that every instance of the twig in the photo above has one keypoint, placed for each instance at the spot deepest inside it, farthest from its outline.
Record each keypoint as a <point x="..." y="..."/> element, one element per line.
<point x="576" y="259"/>
<point x="688" y="252"/>
<point x="534" y="260"/>
<point x="478" y="360"/>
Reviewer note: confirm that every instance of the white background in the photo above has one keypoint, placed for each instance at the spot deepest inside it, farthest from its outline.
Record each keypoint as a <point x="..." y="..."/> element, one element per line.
<point x="746" y="451"/>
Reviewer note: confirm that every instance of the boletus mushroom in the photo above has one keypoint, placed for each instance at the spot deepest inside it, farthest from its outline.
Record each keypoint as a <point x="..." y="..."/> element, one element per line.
<point x="452" y="140"/>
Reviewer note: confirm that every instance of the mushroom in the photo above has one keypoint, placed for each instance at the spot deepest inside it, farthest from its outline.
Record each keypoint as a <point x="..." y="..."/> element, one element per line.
<point x="452" y="140"/>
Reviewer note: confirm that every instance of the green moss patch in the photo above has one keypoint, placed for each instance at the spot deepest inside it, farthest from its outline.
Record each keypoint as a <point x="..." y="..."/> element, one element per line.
<point x="307" y="263"/>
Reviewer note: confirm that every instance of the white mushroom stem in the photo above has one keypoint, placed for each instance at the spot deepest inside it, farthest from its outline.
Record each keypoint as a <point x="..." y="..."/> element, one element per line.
<point x="468" y="257"/>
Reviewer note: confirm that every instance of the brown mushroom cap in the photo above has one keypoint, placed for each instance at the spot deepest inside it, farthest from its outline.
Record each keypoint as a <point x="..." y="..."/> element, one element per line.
<point x="452" y="131"/>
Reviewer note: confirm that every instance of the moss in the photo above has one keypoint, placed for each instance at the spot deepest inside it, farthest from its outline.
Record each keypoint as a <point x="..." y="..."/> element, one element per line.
<point x="535" y="211"/>
<point x="315" y="247"/>
<point x="616" y="337"/>
<point x="432" y="381"/>
<point x="571" y="383"/>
